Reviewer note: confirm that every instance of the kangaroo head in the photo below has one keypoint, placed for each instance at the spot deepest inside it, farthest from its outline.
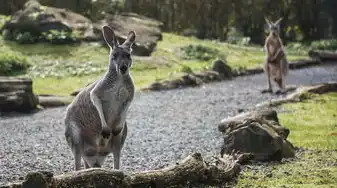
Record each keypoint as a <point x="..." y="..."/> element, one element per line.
<point x="274" y="27"/>
<point x="120" y="55"/>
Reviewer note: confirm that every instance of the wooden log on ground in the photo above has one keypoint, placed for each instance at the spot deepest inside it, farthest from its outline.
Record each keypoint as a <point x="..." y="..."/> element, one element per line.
<point x="191" y="170"/>
<point x="16" y="94"/>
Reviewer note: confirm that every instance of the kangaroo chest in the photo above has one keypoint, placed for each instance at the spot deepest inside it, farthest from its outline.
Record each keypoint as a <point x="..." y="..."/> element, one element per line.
<point x="273" y="46"/>
<point x="116" y="101"/>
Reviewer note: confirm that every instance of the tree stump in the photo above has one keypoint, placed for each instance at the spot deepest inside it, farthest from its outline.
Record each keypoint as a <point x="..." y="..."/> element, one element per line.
<point x="16" y="94"/>
<point x="257" y="133"/>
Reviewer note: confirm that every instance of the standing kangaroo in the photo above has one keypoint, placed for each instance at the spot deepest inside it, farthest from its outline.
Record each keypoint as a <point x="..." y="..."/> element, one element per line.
<point x="95" y="122"/>
<point x="276" y="64"/>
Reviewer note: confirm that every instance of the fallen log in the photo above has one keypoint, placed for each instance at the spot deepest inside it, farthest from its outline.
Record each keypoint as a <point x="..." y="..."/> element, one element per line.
<point x="193" y="170"/>
<point x="300" y="94"/>
<point x="16" y="94"/>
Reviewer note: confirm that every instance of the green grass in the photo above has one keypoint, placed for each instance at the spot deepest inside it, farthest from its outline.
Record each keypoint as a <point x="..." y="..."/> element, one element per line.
<point x="313" y="126"/>
<point x="60" y="69"/>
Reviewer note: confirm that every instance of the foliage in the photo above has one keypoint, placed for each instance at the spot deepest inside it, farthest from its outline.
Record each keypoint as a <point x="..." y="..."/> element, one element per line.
<point x="312" y="125"/>
<point x="234" y="36"/>
<point x="320" y="45"/>
<point x="199" y="52"/>
<point x="60" y="37"/>
<point x="214" y="18"/>
<point x="11" y="63"/>
<point x="25" y="38"/>
<point x="3" y="19"/>
<point x="211" y="19"/>
<point x="324" y="45"/>
<point x="52" y="36"/>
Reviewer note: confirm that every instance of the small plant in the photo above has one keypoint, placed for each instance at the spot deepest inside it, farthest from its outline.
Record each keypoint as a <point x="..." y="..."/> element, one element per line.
<point x="186" y="69"/>
<point x="199" y="52"/>
<point x="11" y="64"/>
<point x="25" y="38"/>
<point x="60" y="37"/>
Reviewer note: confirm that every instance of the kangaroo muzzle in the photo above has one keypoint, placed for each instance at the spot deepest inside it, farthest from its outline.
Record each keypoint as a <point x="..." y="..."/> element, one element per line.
<point x="123" y="69"/>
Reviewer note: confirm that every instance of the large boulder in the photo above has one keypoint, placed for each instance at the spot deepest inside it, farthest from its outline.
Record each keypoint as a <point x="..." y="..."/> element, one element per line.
<point x="148" y="31"/>
<point x="16" y="94"/>
<point x="37" y="19"/>
<point x="257" y="133"/>
<point x="224" y="70"/>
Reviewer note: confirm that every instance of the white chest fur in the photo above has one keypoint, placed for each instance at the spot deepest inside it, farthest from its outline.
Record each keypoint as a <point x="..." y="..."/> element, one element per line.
<point x="115" y="102"/>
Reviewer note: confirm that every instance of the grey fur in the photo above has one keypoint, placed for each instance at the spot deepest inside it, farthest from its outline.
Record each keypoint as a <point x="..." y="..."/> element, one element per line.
<point x="95" y="122"/>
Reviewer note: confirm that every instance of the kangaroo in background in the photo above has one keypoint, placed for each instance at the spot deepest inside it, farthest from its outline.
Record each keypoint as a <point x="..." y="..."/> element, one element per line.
<point x="95" y="122"/>
<point x="276" y="64"/>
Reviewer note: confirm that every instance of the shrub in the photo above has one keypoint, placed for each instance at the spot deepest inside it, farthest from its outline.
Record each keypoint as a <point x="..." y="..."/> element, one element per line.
<point x="199" y="52"/>
<point x="60" y="37"/>
<point x="25" y="38"/>
<point x="324" y="44"/>
<point x="11" y="64"/>
<point x="52" y="36"/>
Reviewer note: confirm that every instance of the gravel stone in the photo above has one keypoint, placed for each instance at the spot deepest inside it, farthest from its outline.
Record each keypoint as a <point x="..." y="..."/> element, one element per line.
<point x="164" y="126"/>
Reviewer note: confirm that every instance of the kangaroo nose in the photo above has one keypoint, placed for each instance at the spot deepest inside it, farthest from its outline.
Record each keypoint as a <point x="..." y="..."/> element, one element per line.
<point x="123" y="68"/>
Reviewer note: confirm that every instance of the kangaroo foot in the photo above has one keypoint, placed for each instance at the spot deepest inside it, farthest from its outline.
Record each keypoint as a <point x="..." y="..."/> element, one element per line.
<point x="267" y="91"/>
<point x="280" y="92"/>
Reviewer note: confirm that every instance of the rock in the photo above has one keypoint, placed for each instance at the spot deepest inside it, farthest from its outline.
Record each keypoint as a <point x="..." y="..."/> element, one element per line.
<point x="223" y="69"/>
<point x="187" y="80"/>
<point x="36" y="19"/>
<point x="148" y="31"/>
<point x="258" y="133"/>
<point x="208" y="76"/>
<point x="16" y="94"/>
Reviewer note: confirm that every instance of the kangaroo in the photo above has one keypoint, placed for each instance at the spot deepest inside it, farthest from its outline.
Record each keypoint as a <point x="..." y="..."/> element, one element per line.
<point x="95" y="122"/>
<point x="276" y="65"/>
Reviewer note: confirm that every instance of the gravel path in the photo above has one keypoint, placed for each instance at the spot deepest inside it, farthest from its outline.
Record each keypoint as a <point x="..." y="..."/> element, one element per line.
<point x="163" y="126"/>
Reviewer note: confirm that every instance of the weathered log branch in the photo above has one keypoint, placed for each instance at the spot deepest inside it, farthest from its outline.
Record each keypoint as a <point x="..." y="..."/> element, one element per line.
<point x="300" y="94"/>
<point x="191" y="170"/>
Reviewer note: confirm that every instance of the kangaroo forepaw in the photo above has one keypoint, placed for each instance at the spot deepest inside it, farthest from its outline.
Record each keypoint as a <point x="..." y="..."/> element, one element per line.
<point x="106" y="133"/>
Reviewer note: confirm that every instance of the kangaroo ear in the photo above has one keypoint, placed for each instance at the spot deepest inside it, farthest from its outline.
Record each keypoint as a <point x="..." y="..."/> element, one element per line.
<point x="278" y="21"/>
<point x="109" y="36"/>
<point x="130" y="39"/>
<point x="267" y="20"/>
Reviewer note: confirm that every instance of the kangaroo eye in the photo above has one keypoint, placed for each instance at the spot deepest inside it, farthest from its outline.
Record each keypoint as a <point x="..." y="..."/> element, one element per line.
<point x="128" y="56"/>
